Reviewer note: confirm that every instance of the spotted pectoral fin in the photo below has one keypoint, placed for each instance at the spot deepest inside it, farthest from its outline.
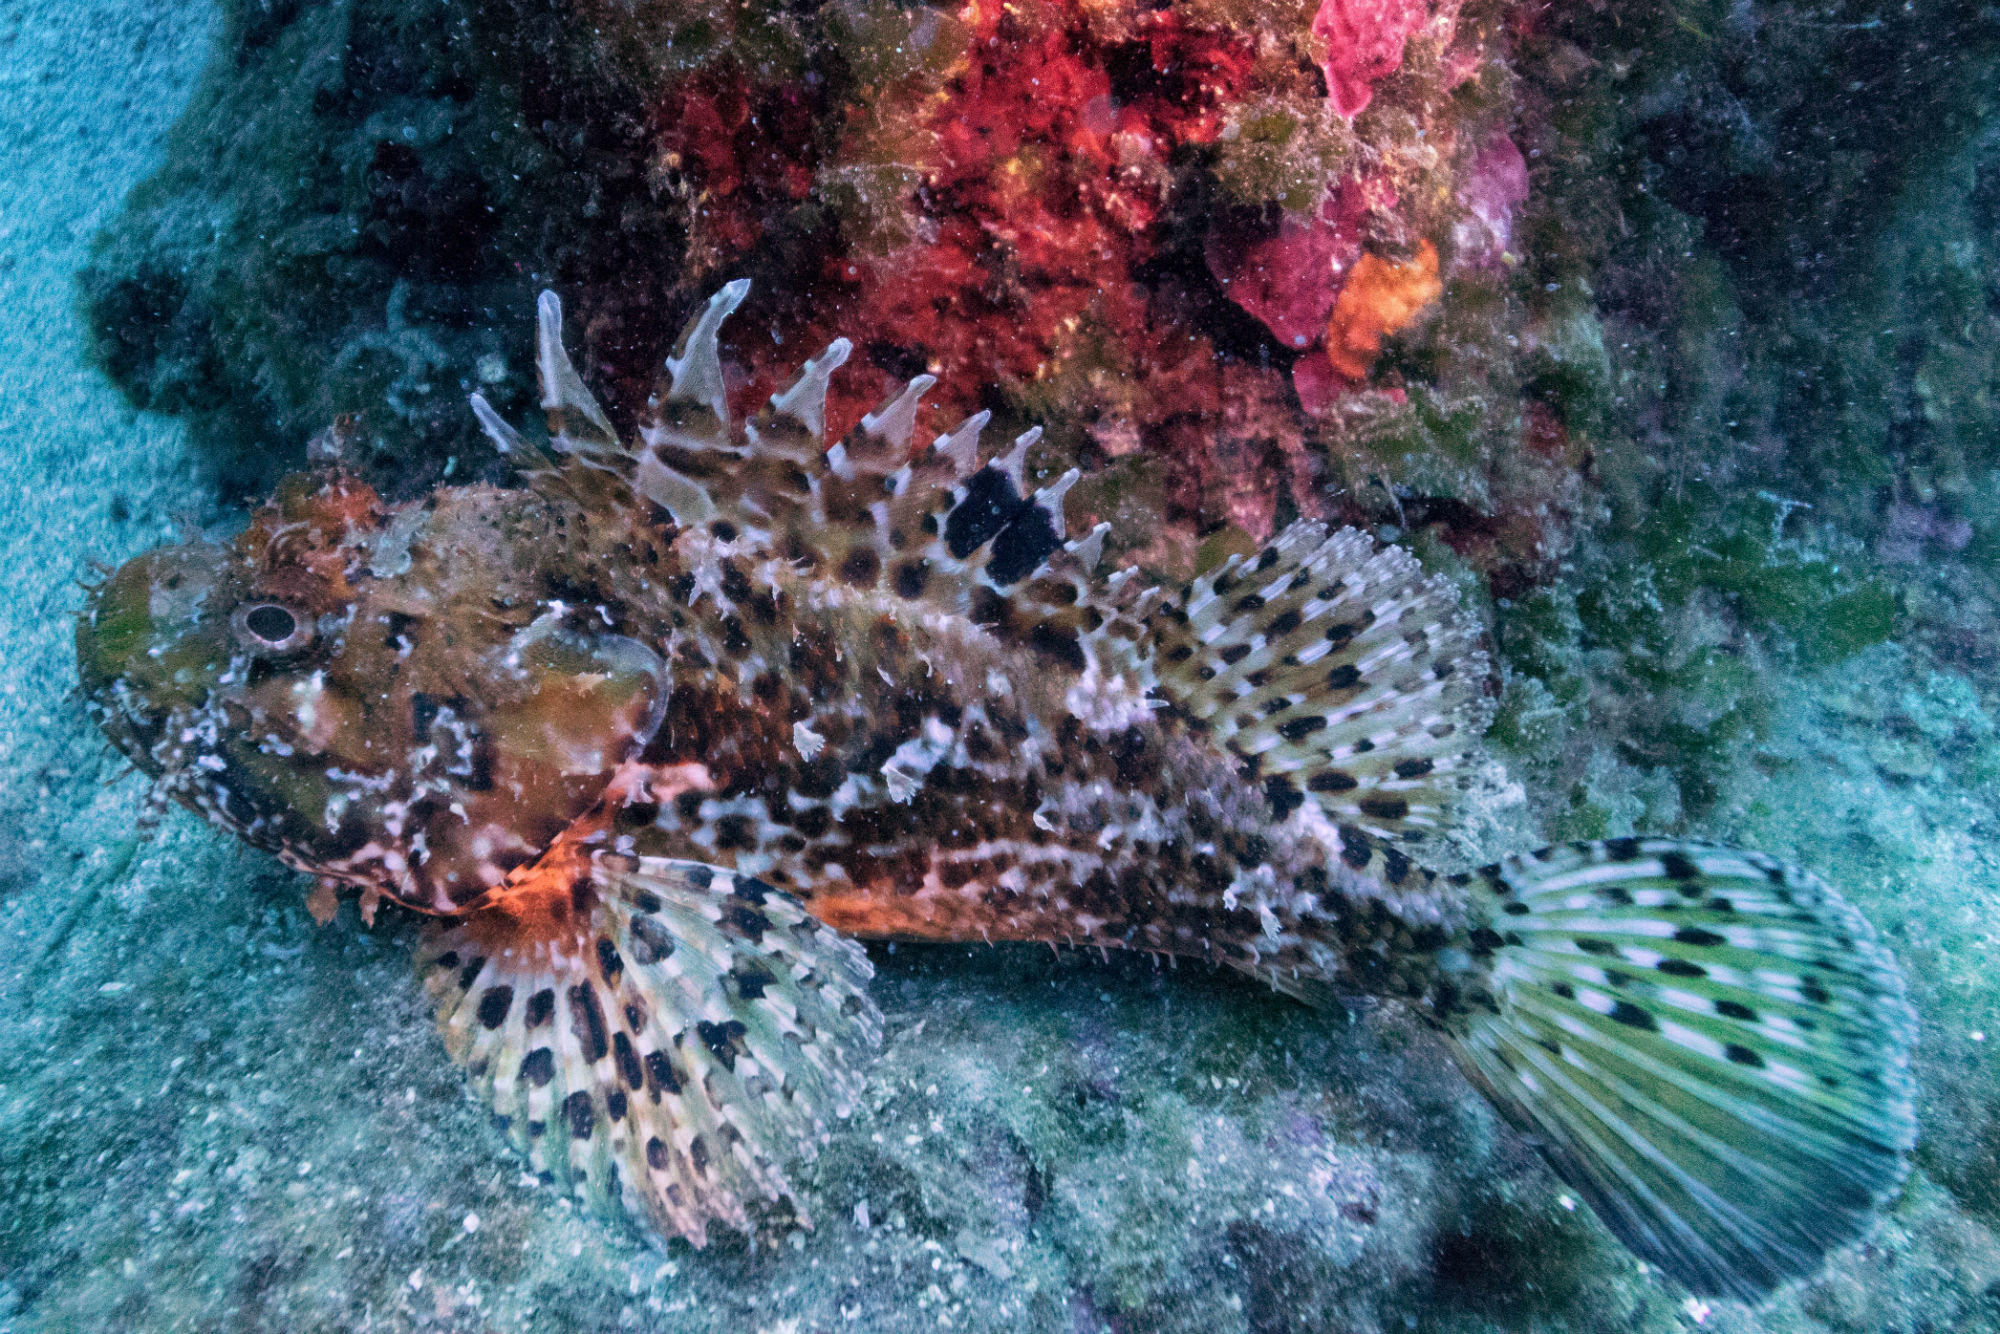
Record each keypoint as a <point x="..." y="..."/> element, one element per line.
<point x="1340" y="674"/>
<point x="1709" y="1044"/>
<point x="660" y="1034"/>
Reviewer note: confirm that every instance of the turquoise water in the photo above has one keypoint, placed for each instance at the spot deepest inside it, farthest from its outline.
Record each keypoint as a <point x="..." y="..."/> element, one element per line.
<point x="1706" y="423"/>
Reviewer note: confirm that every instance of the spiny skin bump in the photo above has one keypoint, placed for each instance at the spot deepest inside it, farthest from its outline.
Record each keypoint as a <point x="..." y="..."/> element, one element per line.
<point x="648" y="731"/>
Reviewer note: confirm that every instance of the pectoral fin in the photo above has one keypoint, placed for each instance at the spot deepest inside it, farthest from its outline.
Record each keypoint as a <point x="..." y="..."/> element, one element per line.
<point x="660" y="1034"/>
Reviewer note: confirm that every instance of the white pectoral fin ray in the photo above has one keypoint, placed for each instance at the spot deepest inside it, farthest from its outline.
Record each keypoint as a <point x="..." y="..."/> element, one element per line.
<point x="1710" y="1045"/>
<point x="685" y="1035"/>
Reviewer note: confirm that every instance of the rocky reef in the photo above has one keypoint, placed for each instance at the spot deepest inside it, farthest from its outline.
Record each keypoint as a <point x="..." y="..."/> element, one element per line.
<point x="1131" y="224"/>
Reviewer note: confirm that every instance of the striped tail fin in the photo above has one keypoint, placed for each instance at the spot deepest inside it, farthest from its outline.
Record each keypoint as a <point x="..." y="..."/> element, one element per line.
<point x="1710" y="1045"/>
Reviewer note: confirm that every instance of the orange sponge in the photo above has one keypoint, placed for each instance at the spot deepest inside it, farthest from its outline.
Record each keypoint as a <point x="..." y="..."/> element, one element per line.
<point x="1379" y="298"/>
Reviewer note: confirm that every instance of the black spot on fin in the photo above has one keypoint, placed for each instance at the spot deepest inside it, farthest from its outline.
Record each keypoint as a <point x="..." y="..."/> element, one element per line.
<point x="989" y="505"/>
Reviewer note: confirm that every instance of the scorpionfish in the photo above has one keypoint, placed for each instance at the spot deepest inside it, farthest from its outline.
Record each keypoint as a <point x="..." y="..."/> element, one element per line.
<point x="653" y="735"/>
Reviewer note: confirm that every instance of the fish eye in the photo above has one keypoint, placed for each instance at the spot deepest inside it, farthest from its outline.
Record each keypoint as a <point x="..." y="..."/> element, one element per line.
<point x="270" y="628"/>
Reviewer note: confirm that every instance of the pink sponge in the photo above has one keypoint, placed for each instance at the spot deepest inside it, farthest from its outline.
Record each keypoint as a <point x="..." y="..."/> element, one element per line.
<point x="1494" y="188"/>
<point x="1288" y="279"/>
<point x="1364" y="41"/>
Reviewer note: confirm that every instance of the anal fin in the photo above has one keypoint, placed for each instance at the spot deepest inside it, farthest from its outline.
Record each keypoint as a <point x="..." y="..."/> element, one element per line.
<point x="659" y="1034"/>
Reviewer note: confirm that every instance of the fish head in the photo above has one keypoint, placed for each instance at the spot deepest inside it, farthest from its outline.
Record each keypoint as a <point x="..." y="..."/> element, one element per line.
<point x="387" y="696"/>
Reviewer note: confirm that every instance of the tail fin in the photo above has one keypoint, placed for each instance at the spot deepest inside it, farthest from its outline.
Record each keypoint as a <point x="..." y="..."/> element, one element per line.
<point x="1711" y="1046"/>
<point x="660" y="1034"/>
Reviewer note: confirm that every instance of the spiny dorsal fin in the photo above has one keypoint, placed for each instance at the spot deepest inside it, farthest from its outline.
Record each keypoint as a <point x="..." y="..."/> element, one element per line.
<point x="853" y="509"/>
<point x="865" y="511"/>
<point x="1711" y="1045"/>
<point x="1375" y="726"/>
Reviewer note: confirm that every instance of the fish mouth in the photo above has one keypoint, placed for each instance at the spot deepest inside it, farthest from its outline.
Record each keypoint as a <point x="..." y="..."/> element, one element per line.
<point x="207" y="757"/>
<point x="184" y="748"/>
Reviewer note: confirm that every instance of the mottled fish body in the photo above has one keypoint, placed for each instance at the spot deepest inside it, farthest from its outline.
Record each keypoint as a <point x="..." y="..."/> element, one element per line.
<point x="654" y="733"/>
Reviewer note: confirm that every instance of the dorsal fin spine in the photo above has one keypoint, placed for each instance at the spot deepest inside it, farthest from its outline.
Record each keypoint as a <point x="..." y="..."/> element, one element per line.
<point x="1089" y="549"/>
<point x="695" y="373"/>
<point x="961" y="445"/>
<point x="805" y="400"/>
<point x="896" y="422"/>
<point x="1050" y="498"/>
<point x="504" y="437"/>
<point x="1015" y="463"/>
<point x="563" y="391"/>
